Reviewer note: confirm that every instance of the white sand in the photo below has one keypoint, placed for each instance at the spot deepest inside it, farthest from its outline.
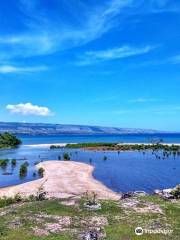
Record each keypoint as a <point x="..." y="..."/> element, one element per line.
<point x="45" y="145"/>
<point x="62" y="180"/>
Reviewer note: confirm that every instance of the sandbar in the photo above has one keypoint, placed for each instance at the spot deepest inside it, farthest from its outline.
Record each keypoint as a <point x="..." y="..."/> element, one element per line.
<point x="63" y="179"/>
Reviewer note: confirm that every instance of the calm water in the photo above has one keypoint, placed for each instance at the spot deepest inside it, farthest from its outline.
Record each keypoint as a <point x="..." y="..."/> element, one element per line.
<point x="127" y="171"/>
<point x="137" y="138"/>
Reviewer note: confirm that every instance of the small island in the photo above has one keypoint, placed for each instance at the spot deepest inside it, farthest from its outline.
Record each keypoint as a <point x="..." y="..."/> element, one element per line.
<point x="8" y="140"/>
<point x="121" y="147"/>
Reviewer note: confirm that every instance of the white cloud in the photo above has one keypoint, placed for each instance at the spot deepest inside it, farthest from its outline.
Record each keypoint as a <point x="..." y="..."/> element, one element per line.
<point x="28" y="109"/>
<point x="142" y="100"/>
<point x="13" y="69"/>
<point x="47" y="33"/>
<point x="92" y="57"/>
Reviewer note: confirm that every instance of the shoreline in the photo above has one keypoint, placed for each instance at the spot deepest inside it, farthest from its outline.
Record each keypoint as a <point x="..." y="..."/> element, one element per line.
<point x="63" y="180"/>
<point x="47" y="145"/>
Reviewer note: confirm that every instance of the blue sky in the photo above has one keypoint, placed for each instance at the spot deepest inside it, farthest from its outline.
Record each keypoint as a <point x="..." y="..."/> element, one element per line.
<point x="109" y="63"/>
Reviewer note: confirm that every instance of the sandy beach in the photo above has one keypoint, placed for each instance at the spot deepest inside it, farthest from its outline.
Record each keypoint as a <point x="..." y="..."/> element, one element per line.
<point x="45" y="145"/>
<point x="63" y="180"/>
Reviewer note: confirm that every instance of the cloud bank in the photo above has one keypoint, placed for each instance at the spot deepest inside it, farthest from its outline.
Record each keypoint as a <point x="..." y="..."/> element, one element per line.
<point x="28" y="109"/>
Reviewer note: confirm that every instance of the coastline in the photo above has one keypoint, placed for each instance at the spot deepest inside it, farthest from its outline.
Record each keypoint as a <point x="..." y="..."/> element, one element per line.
<point x="47" y="145"/>
<point x="63" y="180"/>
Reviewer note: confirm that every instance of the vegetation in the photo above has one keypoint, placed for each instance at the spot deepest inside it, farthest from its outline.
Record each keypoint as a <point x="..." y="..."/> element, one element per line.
<point x="176" y="192"/>
<point x="66" y="157"/>
<point x="8" y="140"/>
<point x="55" y="146"/>
<point x="6" y="201"/>
<point x="23" y="170"/>
<point x="84" y="145"/>
<point x="41" y="171"/>
<point x="4" y="162"/>
<point x="175" y="149"/>
<point x="22" y="221"/>
<point x="13" y="162"/>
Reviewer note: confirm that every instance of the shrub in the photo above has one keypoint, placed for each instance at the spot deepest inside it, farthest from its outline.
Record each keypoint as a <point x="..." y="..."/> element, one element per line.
<point x="41" y="172"/>
<point x="41" y="194"/>
<point x="23" y="170"/>
<point x="4" y="162"/>
<point x="176" y="192"/>
<point x="66" y="157"/>
<point x="13" y="162"/>
<point x="8" y="140"/>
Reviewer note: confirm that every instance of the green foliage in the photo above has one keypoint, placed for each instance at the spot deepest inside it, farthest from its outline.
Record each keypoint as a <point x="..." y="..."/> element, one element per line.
<point x="8" y="140"/>
<point x="3" y="230"/>
<point x="13" y="162"/>
<point x="175" y="149"/>
<point x="176" y="192"/>
<point x="121" y="221"/>
<point x="41" y="171"/>
<point x="23" y="170"/>
<point x="4" y="162"/>
<point x="66" y="157"/>
<point x="84" y="145"/>
<point x="6" y="201"/>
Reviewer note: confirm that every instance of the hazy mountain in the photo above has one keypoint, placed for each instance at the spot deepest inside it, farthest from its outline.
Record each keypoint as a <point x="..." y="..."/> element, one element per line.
<point x="52" y="129"/>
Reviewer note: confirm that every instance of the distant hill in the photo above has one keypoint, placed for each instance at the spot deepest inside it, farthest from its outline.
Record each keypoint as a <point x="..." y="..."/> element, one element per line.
<point x="52" y="129"/>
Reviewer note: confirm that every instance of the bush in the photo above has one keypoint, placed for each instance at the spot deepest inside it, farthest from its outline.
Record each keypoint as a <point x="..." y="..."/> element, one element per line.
<point x="41" y="194"/>
<point x="23" y="170"/>
<point x="9" y="140"/>
<point x="41" y="172"/>
<point x="66" y="157"/>
<point x="176" y="192"/>
<point x="13" y="162"/>
<point x="4" y="162"/>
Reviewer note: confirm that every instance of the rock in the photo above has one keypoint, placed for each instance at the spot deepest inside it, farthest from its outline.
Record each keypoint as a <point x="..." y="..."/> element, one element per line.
<point x="158" y="192"/>
<point x="95" y="206"/>
<point x="140" y="193"/>
<point x="90" y="236"/>
<point x="165" y="194"/>
<point x="96" y="234"/>
<point x="127" y="195"/>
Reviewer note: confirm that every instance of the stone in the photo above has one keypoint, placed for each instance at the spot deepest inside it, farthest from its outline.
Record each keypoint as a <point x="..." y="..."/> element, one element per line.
<point x="95" y="206"/>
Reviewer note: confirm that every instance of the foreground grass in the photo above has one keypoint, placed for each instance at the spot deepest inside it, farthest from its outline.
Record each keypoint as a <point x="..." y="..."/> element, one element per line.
<point x="18" y="221"/>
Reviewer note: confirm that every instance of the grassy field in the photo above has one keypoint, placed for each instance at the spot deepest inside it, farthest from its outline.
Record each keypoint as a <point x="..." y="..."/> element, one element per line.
<point x="52" y="219"/>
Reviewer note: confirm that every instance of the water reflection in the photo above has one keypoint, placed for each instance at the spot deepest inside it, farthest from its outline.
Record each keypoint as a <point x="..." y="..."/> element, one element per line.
<point x="121" y="171"/>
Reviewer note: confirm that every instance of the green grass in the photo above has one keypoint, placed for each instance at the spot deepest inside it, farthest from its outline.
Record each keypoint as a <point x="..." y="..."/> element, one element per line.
<point x="122" y="222"/>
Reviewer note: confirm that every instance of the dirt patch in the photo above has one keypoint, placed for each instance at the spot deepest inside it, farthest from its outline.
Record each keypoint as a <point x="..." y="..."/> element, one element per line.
<point x="73" y="225"/>
<point x="140" y="206"/>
